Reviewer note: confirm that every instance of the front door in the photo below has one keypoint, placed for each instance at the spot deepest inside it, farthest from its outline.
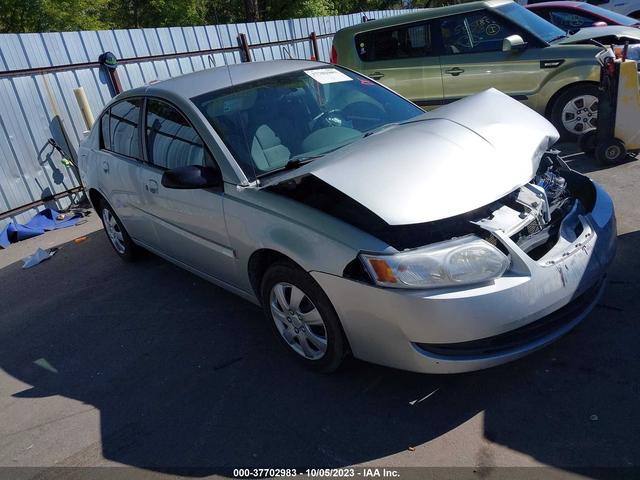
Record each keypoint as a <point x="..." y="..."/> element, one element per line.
<point x="404" y="59"/>
<point x="190" y="223"/>
<point x="472" y="57"/>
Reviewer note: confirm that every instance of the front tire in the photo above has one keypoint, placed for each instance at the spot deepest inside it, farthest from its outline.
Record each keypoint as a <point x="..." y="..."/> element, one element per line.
<point x="575" y="111"/>
<point x="302" y="317"/>
<point x="117" y="234"/>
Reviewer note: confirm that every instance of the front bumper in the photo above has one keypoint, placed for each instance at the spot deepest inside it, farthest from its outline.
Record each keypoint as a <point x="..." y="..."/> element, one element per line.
<point x="457" y="330"/>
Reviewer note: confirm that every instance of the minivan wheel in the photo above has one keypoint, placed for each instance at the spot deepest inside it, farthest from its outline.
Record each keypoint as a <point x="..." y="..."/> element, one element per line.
<point x="302" y="317"/>
<point x="575" y="111"/>
<point x="116" y="233"/>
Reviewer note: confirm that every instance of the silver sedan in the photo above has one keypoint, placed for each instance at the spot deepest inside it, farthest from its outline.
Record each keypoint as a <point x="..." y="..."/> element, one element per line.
<point x="435" y="242"/>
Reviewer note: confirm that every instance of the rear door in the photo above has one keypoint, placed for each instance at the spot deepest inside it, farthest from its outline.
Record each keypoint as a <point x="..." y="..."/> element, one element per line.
<point x="190" y="223"/>
<point x="472" y="58"/>
<point x="118" y="164"/>
<point x="403" y="58"/>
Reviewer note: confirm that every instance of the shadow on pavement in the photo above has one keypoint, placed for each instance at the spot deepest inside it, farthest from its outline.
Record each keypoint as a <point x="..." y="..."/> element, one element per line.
<point x="187" y="376"/>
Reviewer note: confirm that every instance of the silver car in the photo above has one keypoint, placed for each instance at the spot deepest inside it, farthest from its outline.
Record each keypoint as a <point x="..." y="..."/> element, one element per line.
<point x="435" y="242"/>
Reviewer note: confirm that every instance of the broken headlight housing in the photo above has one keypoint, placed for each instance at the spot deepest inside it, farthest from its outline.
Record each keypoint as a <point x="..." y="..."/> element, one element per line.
<point x="461" y="261"/>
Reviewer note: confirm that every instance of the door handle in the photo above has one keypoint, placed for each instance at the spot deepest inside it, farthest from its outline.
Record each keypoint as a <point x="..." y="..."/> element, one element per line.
<point x="151" y="186"/>
<point x="454" y="71"/>
<point x="105" y="167"/>
<point x="376" y="75"/>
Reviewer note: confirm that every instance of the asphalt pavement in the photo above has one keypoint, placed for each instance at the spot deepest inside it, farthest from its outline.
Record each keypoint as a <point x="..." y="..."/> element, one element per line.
<point x="146" y="365"/>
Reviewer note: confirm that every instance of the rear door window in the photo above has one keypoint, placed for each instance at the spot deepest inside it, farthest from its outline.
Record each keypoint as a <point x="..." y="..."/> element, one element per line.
<point x="405" y="41"/>
<point x="123" y="131"/>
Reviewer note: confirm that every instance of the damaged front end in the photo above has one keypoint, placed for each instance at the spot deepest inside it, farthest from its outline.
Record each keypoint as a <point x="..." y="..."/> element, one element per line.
<point x="541" y="219"/>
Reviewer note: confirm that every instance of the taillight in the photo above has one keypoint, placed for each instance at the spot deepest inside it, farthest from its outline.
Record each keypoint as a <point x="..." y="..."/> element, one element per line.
<point x="334" y="55"/>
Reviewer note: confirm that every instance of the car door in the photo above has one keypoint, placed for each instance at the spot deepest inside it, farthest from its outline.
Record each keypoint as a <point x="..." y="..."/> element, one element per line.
<point x="403" y="58"/>
<point x="118" y="164"/>
<point x="472" y="59"/>
<point x="189" y="223"/>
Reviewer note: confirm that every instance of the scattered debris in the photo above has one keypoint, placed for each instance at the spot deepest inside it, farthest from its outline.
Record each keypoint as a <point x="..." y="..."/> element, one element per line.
<point x="416" y="401"/>
<point x="411" y="449"/>
<point x="44" y="221"/>
<point x="42" y="362"/>
<point x="81" y="239"/>
<point x="37" y="257"/>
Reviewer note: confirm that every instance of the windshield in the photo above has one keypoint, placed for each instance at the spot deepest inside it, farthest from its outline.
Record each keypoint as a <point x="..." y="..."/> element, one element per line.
<point x="286" y="120"/>
<point x="616" y="17"/>
<point x="532" y="22"/>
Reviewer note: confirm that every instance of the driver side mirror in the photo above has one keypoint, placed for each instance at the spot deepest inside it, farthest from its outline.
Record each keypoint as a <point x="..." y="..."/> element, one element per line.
<point x="513" y="43"/>
<point x="192" y="177"/>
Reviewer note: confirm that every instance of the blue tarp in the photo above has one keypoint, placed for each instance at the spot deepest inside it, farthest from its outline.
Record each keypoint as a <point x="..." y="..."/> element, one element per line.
<point x="43" y="221"/>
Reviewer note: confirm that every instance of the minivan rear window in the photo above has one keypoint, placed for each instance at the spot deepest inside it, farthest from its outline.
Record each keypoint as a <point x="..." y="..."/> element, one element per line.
<point x="404" y="41"/>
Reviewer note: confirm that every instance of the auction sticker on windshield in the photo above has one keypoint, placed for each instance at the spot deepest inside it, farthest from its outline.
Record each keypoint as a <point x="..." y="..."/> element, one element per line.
<point x="327" y="75"/>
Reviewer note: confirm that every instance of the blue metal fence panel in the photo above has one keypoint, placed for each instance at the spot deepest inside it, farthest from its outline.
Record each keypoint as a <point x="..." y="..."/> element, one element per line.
<point x="37" y="106"/>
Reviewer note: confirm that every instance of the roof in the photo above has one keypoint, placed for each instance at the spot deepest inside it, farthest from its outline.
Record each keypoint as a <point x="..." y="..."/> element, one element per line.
<point x="567" y="4"/>
<point x="422" y="14"/>
<point x="204" y="81"/>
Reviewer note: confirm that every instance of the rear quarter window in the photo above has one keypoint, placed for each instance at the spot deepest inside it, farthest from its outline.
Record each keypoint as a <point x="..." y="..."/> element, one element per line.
<point x="404" y="41"/>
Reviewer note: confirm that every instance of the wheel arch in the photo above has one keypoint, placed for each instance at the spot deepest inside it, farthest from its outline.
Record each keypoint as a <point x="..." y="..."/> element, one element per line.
<point x="260" y="261"/>
<point x="95" y="197"/>
<point x="554" y="98"/>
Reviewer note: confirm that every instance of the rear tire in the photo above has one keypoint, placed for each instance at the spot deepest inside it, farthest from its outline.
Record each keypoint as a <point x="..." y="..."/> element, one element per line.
<point x="611" y="152"/>
<point x="302" y="317"/>
<point x="575" y="111"/>
<point x="117" y="234"/>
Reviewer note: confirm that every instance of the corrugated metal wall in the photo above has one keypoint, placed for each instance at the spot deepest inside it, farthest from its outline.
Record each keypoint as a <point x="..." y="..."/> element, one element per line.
<point x="36" y="106"/>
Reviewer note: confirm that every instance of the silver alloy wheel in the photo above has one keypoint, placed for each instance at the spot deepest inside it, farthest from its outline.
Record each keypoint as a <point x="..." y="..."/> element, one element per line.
<point x="580" y="114"/>
<point x="298" y="321"/>
<point x="113" y="231"/>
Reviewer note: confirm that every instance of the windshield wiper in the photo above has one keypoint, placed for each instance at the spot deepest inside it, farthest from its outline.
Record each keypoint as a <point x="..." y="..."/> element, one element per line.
<point x="291" y="165"/>
<point x="559" y="37"/>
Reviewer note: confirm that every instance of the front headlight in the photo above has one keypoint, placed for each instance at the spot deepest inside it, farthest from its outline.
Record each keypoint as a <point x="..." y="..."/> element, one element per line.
<point x="461" y="261"/>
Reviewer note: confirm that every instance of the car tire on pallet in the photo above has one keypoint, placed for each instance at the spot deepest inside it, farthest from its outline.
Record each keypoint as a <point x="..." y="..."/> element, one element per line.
<point x="611" y="152"/>
<point x="588" y="142"/>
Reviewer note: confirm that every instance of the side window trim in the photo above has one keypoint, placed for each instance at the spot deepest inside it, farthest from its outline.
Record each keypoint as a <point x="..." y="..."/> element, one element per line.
<point x="145" y="147"/>
<point x="108" y="112"/>
<point x="105" y="115"/>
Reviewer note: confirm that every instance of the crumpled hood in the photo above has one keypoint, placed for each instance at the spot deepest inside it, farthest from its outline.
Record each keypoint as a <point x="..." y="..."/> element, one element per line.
<point x="587" y="33"/>
<point x="447" y="162"/>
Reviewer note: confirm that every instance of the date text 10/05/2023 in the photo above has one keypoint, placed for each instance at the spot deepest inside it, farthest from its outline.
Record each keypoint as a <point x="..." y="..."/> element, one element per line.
<point x="363" y="472"/>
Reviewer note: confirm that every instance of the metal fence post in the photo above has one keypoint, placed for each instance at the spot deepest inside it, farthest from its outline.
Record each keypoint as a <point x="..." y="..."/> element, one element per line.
<point x="314" y="45"/>
<point x="242" y="40"/>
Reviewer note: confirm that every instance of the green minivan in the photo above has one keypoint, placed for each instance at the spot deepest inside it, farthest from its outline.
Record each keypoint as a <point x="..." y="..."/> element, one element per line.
<point x="438" y="55"/>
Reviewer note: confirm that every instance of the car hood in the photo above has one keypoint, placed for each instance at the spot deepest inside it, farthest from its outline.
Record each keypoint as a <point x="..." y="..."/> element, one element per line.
<point x="587" y="33"/>
<point x="443" y="163"/>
